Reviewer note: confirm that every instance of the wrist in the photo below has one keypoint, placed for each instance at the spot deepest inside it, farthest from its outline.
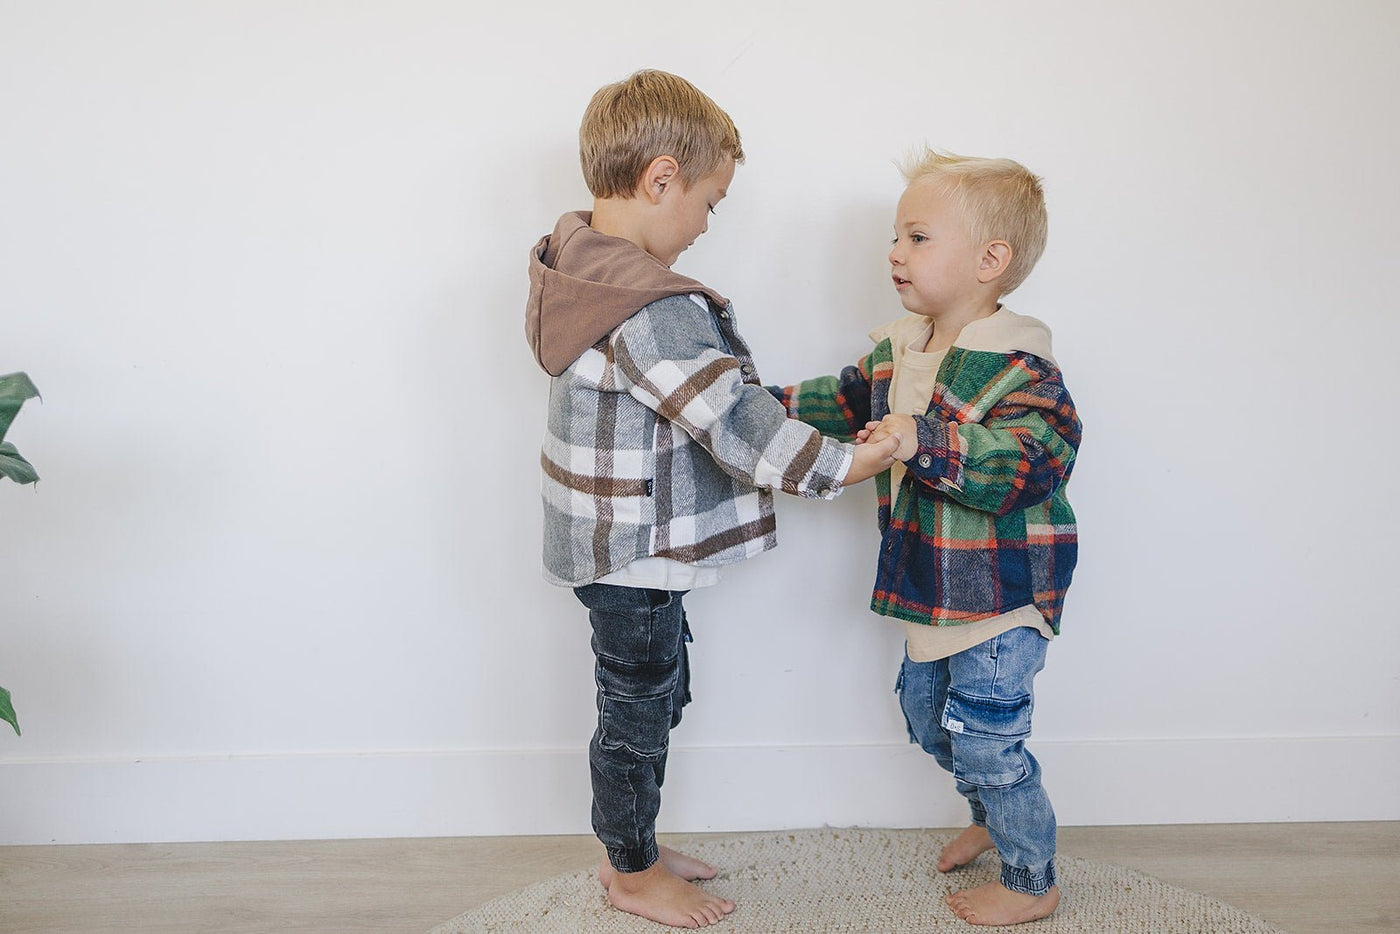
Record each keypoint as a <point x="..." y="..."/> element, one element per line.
<point x="929" y="454"/>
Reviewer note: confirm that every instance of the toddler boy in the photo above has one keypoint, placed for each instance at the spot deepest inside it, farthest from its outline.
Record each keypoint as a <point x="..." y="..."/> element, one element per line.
<point x="978" y="538"/>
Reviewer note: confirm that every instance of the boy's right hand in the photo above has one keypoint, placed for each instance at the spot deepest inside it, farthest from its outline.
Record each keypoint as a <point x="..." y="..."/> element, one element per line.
<point x="893" y="424"/>
<point x="872" y="457"/>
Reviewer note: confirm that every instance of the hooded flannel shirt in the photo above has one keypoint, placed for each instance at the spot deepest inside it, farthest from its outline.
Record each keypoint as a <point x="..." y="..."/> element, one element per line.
<point x="661" y="439"/>
<point x="981" y="523"/>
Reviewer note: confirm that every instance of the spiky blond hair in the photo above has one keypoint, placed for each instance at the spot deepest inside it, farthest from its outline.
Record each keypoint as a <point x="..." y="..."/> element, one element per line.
<point x="999" y="199"/>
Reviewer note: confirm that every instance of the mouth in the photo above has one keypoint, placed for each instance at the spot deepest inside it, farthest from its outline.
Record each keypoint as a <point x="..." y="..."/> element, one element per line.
<point x="898" y="282"/>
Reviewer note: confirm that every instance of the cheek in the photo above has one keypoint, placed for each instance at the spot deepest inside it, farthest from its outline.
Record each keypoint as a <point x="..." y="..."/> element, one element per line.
<point x="934" y="268"/>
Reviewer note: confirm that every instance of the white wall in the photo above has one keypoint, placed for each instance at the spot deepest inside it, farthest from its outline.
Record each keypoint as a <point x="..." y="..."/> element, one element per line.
<point x="281" y="577"/>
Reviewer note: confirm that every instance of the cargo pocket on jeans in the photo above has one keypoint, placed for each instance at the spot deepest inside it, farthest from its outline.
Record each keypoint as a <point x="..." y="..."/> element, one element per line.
<point x="641" y="725"/>
<point x="637" y="705"/>
<point x="988" y="737"/>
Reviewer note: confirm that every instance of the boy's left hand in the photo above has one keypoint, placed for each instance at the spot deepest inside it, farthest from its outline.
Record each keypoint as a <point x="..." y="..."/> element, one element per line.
<point x="892" y="424"/>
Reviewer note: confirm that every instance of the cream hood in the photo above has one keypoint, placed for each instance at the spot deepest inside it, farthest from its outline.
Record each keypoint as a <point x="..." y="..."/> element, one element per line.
<point x="1001" y="332"/>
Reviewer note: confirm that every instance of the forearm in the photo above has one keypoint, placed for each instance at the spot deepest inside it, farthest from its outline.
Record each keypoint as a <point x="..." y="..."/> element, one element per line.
<point x="674" y="358"/>
<point x="838" y="406"/>
<point x="740" y="425"/>
<point x="998" y="469"/>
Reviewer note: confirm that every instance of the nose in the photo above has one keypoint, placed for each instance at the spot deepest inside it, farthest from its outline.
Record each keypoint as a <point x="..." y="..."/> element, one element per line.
<point x="896" y="255"/>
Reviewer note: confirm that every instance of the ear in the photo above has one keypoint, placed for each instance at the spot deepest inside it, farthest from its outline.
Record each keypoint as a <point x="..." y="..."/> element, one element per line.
<point x="996" y="259"/>
<point x="660" y="176"/>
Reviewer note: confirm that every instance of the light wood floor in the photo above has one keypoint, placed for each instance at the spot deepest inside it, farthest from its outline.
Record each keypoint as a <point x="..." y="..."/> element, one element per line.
<point x="1305" y="878"/>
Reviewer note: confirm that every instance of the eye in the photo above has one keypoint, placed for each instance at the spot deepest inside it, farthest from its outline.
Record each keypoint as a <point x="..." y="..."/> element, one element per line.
<point x="918" y="238"/>
<point x="711" y="208"/>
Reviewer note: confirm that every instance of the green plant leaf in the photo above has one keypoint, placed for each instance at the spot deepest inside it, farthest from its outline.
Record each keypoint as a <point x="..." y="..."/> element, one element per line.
<point x="15" y="388"/>
<point x="7" y="710"/>
<point x="15" y="467"/>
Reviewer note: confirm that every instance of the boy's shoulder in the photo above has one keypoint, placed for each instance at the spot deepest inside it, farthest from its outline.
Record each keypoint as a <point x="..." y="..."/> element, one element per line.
<point x="671" y="315"/>
<point x="584" y="283"/>
<point x="1007" y="332"/>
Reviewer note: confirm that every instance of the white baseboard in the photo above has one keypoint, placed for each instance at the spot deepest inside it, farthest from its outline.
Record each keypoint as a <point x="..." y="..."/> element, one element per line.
<point x="708" y="789"/>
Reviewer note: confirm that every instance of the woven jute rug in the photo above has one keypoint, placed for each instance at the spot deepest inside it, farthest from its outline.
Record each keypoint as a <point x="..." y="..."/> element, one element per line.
<point x="828" y="881"/>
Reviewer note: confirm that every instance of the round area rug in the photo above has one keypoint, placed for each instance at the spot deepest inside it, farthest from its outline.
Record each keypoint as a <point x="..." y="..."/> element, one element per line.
<point x="828" y="881"/>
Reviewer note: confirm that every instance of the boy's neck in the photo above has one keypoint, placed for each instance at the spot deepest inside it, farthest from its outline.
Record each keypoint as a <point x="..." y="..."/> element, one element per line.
<point x="619" y="217"/>
<point x="948" y="325"/>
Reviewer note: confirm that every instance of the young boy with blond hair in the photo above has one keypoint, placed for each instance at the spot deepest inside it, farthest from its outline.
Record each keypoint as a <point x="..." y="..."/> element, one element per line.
<point x="978" y="538"/>
<point x="661" y="453"/>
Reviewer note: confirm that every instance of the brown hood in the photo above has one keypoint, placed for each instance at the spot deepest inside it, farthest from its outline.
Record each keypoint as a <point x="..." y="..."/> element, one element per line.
<point x="584" y="283"/>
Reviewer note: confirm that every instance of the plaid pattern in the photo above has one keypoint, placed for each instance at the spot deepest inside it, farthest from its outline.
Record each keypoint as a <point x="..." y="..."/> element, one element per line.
<point x="662" y="442"/>
<point x="981" y="524"/>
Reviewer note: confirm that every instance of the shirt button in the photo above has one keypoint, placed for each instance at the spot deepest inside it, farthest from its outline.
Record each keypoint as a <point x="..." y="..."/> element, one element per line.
<point x="746" y="369"/>
<point x="724" y="315"/>
<point x="925" y="461"/>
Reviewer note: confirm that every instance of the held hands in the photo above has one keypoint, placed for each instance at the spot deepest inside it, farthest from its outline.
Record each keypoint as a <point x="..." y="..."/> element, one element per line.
<point x="871" y="457"/>
<point x="892" y="426"/>
<point x="880" y="444"/>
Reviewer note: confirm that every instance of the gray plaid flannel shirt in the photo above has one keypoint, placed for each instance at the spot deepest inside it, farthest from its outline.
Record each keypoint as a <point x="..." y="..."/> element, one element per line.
<point x="662" y="442"/>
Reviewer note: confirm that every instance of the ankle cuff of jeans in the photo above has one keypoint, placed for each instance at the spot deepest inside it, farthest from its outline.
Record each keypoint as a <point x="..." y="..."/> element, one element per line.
<point x="628" y="859"/>
<point x="1027" y="881"/>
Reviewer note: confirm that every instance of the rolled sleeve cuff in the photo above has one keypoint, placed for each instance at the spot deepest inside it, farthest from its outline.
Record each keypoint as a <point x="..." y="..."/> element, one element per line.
<point x="935" y="462"/>
<point x="823" y="481"/>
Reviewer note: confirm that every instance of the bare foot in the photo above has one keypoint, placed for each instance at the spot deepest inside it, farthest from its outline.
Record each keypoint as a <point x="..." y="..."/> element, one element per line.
<point x="993" y="904"/>
<point x="970" y="844"/>
<point x="687" y="867"/>
<point x="660" y="895"/>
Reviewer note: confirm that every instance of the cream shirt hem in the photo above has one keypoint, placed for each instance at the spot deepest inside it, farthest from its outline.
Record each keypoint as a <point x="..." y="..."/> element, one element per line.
<point x="930" y="643"/>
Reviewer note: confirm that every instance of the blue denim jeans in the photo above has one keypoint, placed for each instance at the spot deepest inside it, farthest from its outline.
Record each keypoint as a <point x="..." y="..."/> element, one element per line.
<point x="643" y="674"/>
<point x="972" y="712"/>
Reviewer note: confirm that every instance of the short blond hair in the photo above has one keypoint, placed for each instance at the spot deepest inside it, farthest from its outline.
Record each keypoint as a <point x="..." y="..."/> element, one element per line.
<point x="999" y="199"/>
<point x="649" y="114"/>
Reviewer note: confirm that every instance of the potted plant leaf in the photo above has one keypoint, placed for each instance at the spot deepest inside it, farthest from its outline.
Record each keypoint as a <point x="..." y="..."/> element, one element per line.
<point x="15" y="389"/>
